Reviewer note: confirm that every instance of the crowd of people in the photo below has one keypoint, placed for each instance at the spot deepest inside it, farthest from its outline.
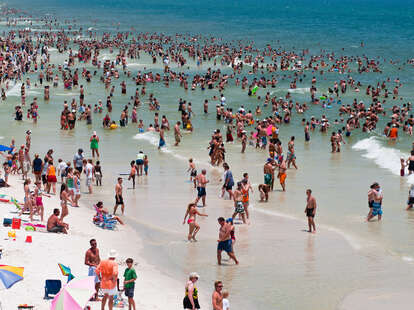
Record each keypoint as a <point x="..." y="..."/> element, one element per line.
<point x="221" y="66"/>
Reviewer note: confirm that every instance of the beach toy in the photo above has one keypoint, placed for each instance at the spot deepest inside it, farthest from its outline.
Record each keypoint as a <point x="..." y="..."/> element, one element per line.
<point x="322" y="97"/>
<point x="28" y="239"/>
<point x="66" y="272"/>
<point x="11" y="234"/>
<point x="113" y="126"/>
<point x="254" y="90"/>
<point x="30" y="228"/>
<point x="16" y="223"/>
<point x="9" y="275"/>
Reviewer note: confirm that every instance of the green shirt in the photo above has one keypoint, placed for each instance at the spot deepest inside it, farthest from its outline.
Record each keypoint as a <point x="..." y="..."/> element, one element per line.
<point x="129" y="274"/>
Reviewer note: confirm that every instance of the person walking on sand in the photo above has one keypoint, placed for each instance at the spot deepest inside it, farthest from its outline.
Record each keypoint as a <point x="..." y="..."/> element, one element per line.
<point x="217" y="297"/>
<point x="119" y="200"/>
<point x="92" y="260"/>
<point x="224" y="241"/>
<point x="94" y="140"/>
<point x="190" y="300"/>
<point x="107" y="271"/>
<point x="310" y="210"/>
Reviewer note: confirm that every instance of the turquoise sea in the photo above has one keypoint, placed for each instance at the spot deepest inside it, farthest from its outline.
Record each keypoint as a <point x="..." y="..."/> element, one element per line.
<point x="282" y="267"/>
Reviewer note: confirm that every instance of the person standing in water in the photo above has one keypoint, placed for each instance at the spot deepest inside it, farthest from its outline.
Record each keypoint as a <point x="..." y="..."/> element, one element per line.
<point x="310" y="210"/>
<point x="224" y="241"/>
<point x="193" y="227"/>
<point x="162" y="139"/>
<point x="410" y="163"/>
<point x="376" y="202"/>
<point x="201" y="186"/>
<point x="94" y="140"/>
<point x="177" y="133"/>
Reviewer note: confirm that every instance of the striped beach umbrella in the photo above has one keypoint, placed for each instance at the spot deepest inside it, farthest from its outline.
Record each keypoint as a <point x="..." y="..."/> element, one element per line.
<point x="74" y="295"/>
<point x="9" y="275"/>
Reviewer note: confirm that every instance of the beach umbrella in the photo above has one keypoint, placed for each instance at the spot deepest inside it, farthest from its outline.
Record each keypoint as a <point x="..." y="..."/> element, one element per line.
<point x="66" y="272"/>
<point x="74" y="295"/>
<point x="10" y="275"/>
<point x="4" y="148"/>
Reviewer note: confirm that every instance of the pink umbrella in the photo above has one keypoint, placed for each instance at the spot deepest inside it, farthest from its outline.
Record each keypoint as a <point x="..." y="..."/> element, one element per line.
<point x="74" y="295"/>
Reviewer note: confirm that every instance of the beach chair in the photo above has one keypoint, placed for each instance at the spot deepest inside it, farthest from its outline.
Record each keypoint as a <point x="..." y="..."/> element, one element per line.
<point x="52" y="287"/>
<point x="103" y="221"/>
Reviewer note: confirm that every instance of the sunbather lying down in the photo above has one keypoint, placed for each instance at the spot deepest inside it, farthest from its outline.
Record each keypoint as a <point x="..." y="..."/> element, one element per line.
<point x="102" y="214"/>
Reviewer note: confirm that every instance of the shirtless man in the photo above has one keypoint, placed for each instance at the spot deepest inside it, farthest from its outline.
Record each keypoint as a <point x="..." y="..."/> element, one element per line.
<point x="291" y="157"/>
<point x="217" y="298"/>
<point x="269" y="174"/>
<point x="224" y="241"/>
<point x="282" y="174"/>
<point x="118" y="196"/>
<point x="177" y="133"/>
<point x="310" y="210"/>
<point x="55" y="225"/>
<point x="92" y="260"/>
<point x="201" y="186"/>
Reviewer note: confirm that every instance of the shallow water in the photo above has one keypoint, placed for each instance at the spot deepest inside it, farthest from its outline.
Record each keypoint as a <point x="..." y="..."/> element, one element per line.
<point x="281" y="266"/>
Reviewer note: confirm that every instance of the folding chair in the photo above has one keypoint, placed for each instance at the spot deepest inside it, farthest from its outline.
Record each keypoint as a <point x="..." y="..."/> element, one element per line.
<point x="52" y="287"/>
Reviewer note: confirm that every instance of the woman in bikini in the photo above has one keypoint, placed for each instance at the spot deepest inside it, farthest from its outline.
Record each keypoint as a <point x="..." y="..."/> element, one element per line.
<point x="193" y="227"/>
<point x="64" y="198"/>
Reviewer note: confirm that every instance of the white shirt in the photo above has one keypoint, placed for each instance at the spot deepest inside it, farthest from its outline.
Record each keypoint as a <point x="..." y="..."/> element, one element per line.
<point x="89" y="170"/>
<point x="226" y="304"/>
<point x="62" y="167"/>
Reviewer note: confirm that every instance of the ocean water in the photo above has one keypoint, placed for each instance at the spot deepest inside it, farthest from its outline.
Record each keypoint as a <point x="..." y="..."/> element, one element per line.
<point x="282" y="267"/>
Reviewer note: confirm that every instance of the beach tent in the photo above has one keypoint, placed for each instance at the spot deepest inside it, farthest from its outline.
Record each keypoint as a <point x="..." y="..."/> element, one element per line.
<point x="74" y="295"/>
<point x="9" y="275"/>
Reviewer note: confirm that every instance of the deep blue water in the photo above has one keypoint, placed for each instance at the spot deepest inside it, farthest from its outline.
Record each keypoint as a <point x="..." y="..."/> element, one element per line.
<point x="382" y="25"/>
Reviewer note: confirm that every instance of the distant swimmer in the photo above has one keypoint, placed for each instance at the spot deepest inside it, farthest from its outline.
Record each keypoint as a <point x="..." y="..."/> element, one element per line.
<point x="310" y="210"/>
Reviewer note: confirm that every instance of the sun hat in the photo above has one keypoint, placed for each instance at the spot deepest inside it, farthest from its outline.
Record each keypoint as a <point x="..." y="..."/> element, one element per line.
<point x="112" y="254"/>
<point x="194" y="275"/>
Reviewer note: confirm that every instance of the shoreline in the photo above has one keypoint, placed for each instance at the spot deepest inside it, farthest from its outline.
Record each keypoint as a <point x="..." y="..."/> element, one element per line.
<point x="49" y="249"/>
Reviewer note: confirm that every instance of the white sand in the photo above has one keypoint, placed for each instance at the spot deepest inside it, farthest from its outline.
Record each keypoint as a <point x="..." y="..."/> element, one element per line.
<point x="40" y="259"/>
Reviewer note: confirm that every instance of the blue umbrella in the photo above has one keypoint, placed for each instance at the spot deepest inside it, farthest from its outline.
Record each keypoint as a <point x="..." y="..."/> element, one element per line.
<point x="4" y="148"/>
